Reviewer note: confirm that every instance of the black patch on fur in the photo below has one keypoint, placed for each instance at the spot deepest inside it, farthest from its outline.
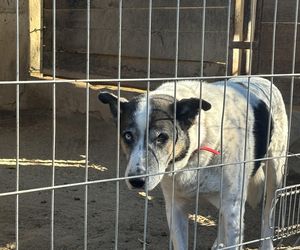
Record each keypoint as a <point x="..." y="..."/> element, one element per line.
<point x="112" y="100"/>
<point x="261" y="116"/>
<point x="188" y="109"/>
<point x="162" y="118"/>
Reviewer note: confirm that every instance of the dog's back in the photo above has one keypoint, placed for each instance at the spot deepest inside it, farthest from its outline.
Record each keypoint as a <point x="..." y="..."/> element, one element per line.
<point x="264" y="138"/>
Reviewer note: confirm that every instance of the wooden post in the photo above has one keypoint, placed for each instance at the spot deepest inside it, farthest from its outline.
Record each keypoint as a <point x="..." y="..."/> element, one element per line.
<point x="35" y="27"/>
<point x="238" y="35"/>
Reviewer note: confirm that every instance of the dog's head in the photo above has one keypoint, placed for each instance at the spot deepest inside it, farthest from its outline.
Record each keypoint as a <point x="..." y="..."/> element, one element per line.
<point x="163" y="137"/>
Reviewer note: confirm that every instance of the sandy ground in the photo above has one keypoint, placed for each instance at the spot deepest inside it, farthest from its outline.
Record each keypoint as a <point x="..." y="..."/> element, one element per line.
<point x="36" y="171"/>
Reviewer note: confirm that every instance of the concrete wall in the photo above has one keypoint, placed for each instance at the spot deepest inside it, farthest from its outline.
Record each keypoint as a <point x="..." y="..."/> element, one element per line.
<point x="8" y="48"/>
<point x="71" y="38"/>
<point x="284" y="45"/>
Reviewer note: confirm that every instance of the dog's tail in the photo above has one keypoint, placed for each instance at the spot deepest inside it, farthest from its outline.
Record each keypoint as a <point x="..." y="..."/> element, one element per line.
<point x="256" y="187"/>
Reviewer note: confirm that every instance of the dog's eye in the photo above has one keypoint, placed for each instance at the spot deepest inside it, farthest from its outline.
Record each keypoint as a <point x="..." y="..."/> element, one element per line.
<point x="128" y="137"/>
<point x="162" y="138"/>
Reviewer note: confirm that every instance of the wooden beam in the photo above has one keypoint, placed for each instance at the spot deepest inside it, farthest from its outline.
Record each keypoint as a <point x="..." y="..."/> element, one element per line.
<point x="238" y="35"/>
<point x="35" y="28"/>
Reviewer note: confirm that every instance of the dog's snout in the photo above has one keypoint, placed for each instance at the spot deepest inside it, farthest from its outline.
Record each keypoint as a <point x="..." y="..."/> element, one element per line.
<point x="138" y="182"/>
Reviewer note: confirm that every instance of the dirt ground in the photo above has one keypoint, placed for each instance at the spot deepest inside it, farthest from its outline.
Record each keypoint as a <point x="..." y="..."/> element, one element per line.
<point x="36" y="171"/>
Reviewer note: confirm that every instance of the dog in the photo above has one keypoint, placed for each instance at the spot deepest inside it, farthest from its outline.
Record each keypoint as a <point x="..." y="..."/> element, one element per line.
<point x="189" y="131"/>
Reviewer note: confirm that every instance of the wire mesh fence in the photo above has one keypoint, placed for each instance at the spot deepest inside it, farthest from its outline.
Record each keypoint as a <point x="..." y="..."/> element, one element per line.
<point x="287" y="200"/>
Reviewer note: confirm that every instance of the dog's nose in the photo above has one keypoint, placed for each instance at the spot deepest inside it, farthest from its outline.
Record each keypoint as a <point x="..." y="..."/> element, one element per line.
<point x="137" y="182"/>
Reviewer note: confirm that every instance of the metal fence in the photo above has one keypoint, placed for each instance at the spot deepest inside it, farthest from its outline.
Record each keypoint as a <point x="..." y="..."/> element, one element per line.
<point x="287" y="202"/>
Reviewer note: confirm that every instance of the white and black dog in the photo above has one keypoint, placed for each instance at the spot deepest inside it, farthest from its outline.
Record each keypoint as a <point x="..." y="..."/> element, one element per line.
<point x="205" y="116"/>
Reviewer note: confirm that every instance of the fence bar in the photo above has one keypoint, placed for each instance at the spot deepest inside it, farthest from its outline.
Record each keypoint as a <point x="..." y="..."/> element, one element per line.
<point x="118" y="127"/>
<point x="263" y="221"/>
<point x="298" y="215"/>
<point x="253" y="10"/>
<point x="222" y="159"/>
<point x="199" y="122"/>
<point x="289" y="212"/>
<point x="53" y="120"/>
<point x="243" y="166"/>
<point x="292" y="89"/>
<point x="177" y="38"/>
<point x="294" y="208"/>
<point x="88" y="21"/>
<point x="173" y="165"/>
<point x="198" y="175"/>
<point x="279" y="212"/>
<point x="174" y="119"/>
<point x="154" y="79"/>
<point x="17" y="121"/>
<point x="147" y="124"/>
<point x="222" y="119"/>
<point x="291" y="104"/>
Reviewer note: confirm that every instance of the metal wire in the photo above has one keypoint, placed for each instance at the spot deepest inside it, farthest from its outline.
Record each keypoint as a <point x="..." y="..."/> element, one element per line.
<point x="53" y="120"/>
<point x="242" y="205"/>
<point x="199" y="122"/>
<point x="101" y="81"/>
<point x="174" y="119"/>
<point x="198" y="175"/>
<point x="118" y="126"/>
<point x="147" y="124"/>
<point x="17" y="120"/>
<point x="270" y="113"/>
<point x="222" y="120"/>
<point x="88" y="20"/>
<point x="292" y="89"/>
<point x="288" y="198"/>
<point x="291" y="99"/>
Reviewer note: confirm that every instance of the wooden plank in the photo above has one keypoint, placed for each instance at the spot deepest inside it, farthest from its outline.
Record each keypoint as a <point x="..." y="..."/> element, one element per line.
<point x="238" y="35"/>
<point x="35" y="25"/>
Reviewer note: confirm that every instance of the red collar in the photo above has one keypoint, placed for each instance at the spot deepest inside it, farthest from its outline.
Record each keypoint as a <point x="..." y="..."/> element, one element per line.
<point x="205" y="148"/>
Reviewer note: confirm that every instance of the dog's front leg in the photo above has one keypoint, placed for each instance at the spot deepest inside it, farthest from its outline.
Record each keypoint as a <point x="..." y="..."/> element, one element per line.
<point x="233" y="226"/>
<point x="232" y="209"/>
<point x="178" y="225"/>
<point x="177" y="220"/>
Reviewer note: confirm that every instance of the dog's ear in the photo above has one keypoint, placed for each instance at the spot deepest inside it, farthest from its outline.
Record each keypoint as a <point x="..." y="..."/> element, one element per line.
<point x="112" y="100"/>
<point x="188" y="109"/>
